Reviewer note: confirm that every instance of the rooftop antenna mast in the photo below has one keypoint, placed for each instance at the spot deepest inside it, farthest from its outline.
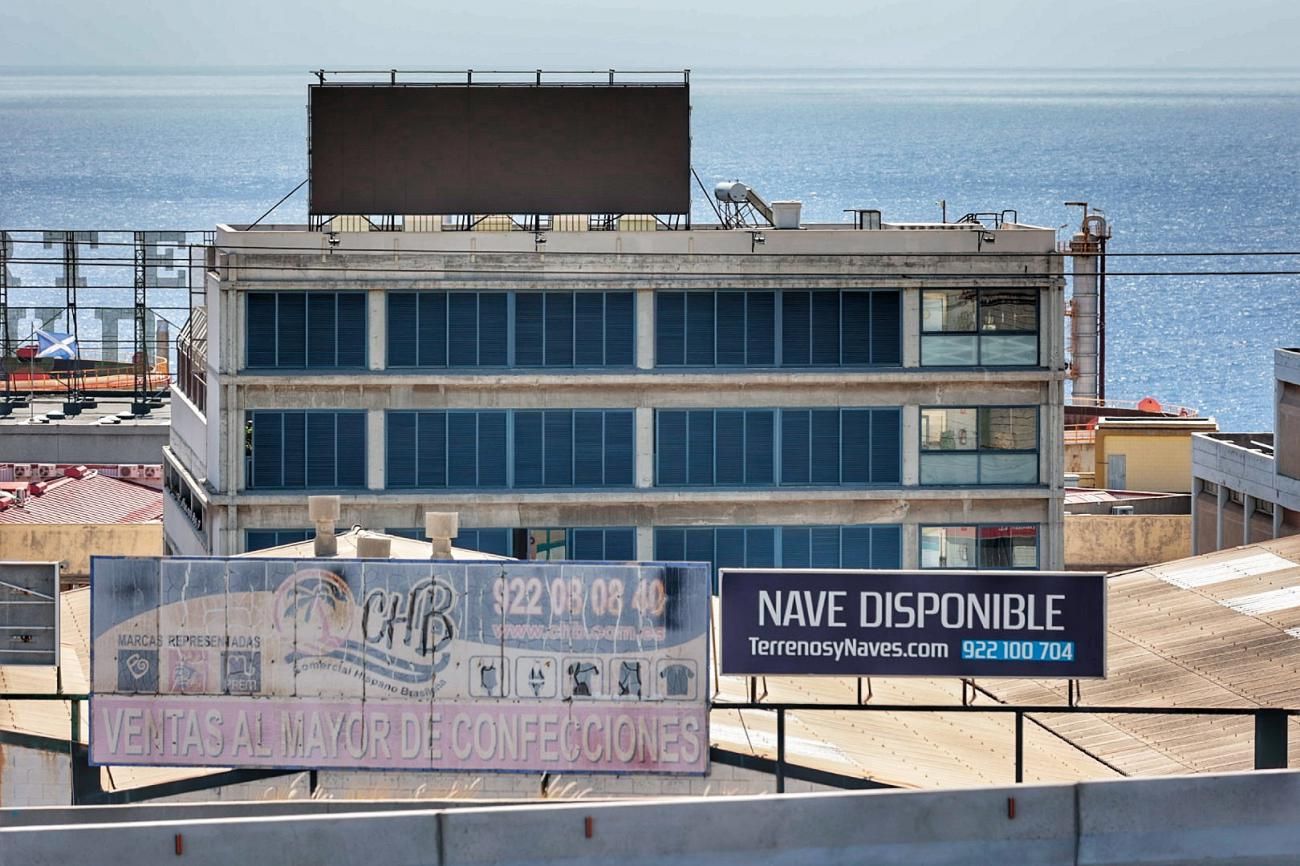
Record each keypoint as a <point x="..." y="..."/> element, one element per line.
<point x="9" y="401"/>
<point x="75" y="399"/>
<point x="140" y="313"/>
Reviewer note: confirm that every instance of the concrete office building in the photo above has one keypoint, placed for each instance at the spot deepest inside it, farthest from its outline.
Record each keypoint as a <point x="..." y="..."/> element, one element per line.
<point x="1246" y="486"/>
<point x="829" y="395"/>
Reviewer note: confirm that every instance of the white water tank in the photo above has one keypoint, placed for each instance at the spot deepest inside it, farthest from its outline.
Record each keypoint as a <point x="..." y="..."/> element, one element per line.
<point x="731" y="191"/>
<point x="785" y="214"/>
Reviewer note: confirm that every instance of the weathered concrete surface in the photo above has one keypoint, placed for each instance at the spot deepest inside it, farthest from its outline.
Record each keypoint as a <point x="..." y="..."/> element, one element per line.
<point x="1244" y="818"/>
<point x="74" y="543"/>
<point x="1108" y="542"/>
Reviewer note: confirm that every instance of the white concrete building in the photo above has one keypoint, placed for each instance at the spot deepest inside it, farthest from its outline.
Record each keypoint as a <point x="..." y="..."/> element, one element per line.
<point x="825" y="396"/>
<point x="1246" y="486"/>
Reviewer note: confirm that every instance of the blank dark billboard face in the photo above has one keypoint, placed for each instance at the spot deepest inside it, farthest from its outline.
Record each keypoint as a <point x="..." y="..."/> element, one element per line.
<point x="511" y="149"/>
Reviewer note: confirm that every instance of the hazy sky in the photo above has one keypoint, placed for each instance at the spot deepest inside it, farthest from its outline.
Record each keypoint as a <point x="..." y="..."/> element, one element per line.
<point x="650" y="33"/>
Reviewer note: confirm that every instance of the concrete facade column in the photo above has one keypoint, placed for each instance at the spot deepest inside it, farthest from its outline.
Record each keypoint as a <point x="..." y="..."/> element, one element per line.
<point x="645" y="446"/>
<point x="1277" y="520"/>
<point x="1052" y="444"/>
<point x="1221" y="500"/>
<point x="377" y="328"/>
<point x="645" y="329"/>
<point x="911" y="329"/>
<point x="911" y="557"/>
<point x="645" y="543"/>
<point x="911" y="445"/>
<point x="1247" y="509"/>
<point x="375" y="456"/>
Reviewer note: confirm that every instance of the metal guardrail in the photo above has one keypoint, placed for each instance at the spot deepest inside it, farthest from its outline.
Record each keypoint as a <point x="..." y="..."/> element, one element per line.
<point x="1271" y="734"/>
<point x="1270" y="723"/>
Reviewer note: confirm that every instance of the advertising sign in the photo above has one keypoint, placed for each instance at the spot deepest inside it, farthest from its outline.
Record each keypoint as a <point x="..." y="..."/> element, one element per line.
<point x="914" y="623"/>
<point x="390" y="664"/>
<point x="29" y="613"/>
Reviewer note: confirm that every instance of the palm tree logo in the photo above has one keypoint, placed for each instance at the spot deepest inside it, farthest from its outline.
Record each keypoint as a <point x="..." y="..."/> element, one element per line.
<point x="316" y="606"/>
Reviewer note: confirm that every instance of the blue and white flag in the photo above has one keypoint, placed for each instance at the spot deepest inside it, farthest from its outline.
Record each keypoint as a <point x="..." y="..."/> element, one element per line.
<point x="52" y="344"/>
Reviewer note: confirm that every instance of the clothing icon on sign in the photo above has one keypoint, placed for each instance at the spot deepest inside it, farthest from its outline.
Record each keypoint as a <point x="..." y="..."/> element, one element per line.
<point x="676" y="679"/>
<point x="487" y="677"/>
<point x="629" y="679"/>
<point x="582" y="674"/>
<point x="535" y="677"/>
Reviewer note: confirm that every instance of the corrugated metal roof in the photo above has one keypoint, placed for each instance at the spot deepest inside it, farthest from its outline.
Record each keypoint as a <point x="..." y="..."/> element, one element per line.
<point x="95" y="499"/>
<point x="1218" y="630"/>
<point x="1075" y="495"/>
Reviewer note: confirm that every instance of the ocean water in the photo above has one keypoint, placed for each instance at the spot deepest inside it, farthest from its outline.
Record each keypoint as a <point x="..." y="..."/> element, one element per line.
<point x="1183" y="161"/>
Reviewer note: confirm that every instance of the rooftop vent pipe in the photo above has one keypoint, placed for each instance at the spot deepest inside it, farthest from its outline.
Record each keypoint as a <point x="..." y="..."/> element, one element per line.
<point x="324" y="513"/>
<point x="440" y="527"/>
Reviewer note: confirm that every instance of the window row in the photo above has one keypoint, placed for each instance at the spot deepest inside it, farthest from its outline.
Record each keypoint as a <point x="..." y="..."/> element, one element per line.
<point x="787" y="328"/>
<point x="866" y="546"/>
<point x="979" y="327"/>
<point x="306" y="330"/>
<point x="781" y="546"/>
<point x="979" y="546"/>
<point x="759" y="447"/>
<point x="299" y="450"/>
<point x="778" y="329"/>
<point x="874" y="546"/>
<point x="505" y="449"/>
<point x="511" y="329"/>
<point x="984" y="445"/>
<point x="510" y="448"/>
<point x="591" y="543"/>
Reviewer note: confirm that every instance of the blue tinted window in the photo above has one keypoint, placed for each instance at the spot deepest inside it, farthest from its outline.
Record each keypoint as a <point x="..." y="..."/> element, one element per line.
<point x="864" y="546"/>
<point x="743" y="329"/>
<point x="732" y="447"/>
<point x="511" y="329"/>
<point x="510" y="449"/>
<point x="305" y="330"/>
<point x="312" y="450"/>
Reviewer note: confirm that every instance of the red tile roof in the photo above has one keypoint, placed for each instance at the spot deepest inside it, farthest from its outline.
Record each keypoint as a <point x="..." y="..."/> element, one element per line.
<point x="92" y="499"/>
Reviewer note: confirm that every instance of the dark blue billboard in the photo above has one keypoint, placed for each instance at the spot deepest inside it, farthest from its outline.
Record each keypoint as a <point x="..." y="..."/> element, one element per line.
<point x="914" y="623"/>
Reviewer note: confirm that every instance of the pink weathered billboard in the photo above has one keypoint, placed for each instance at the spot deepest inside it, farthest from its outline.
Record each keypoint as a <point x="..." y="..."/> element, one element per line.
<point x="389" y="664"/>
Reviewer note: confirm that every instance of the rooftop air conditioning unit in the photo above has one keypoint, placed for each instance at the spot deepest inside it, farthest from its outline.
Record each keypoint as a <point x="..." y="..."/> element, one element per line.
<point x="25" y="471"/>
<point x="45" y="470"/>
<point x="125" y="471"/>
<point x="153" y="473"/>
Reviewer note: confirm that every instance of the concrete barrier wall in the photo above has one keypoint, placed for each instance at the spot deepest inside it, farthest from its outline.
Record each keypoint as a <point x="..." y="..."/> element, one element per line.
<point x="1248" y="818"/>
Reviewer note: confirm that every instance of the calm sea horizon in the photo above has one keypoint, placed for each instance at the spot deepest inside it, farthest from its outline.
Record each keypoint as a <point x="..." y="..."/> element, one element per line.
<point x="1180" y="161"/>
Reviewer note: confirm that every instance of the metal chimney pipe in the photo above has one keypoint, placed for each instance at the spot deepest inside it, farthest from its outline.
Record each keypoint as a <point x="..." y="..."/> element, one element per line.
<point x="440" y="527"/>
<point x="324" y="513"/>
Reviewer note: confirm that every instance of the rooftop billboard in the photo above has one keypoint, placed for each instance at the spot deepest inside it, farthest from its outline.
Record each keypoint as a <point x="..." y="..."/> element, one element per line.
<point x="914" y="623"/>
<point x="391" y="664"/>
<point x="490" y="149"/>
